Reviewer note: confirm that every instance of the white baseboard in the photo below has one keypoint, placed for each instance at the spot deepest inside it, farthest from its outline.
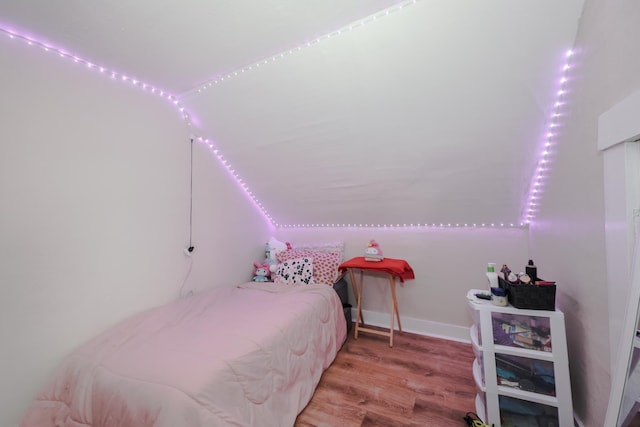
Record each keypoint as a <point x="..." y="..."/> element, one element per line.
<point x="417" y="326"/>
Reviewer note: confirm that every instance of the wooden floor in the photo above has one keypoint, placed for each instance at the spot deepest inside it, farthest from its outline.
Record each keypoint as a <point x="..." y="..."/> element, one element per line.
<point x="421" y="381"/>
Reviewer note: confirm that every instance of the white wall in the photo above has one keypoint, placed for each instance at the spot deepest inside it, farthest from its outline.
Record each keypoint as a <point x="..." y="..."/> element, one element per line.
<point x="446" y="262"/>
<point x="94" y="193"/>
<point x="569" y="236"/>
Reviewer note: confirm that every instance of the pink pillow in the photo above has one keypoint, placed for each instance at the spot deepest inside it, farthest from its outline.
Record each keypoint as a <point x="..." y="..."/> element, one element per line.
<point x="325" y="264"/>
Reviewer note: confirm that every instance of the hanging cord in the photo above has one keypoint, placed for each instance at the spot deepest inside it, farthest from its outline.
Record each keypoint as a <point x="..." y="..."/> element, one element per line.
<point x="184" y="282"/>
<point x="189" y="250"/>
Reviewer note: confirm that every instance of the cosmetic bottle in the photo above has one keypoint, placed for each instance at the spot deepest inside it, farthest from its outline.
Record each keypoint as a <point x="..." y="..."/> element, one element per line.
<point x="492" y="276"/>
<point x="532" y="271"/>
<point x="505" y="270"/>
<point x="499" y="297"/>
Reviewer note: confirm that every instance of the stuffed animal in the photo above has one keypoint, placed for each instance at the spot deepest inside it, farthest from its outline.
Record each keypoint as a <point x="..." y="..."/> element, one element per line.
<point x="261" y="273"/>
<point x="270" y="259"/>
<point x="373" y="252"/>
<point x="273" y="247"/>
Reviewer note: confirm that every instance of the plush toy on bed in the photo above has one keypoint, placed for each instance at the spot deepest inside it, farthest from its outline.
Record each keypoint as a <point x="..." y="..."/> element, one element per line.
<point x="261" y="273"/>
<point x="273" y="247"/>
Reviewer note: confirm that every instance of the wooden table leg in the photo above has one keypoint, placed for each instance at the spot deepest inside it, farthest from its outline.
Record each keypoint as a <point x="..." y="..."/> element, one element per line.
<point x="395" y="301"/>
<point x="354" y="286"/>
<point x="391" y="328"/>
<point x="360" y="297"/>
<point x="357" y="292"/>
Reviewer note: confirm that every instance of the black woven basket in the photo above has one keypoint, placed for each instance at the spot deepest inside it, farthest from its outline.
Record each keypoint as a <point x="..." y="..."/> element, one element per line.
<point x="531" y="297"/>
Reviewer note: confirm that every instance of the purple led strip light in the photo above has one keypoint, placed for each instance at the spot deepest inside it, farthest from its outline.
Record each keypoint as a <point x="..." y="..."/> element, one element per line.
<point x="281" y="55"/>
<point x="406" y="226"/>
<point x="535" y="188"/>
<point x="115" y="75"/>
<point x="131" y="81"/>
<point x="243" y="186"/>
<point x="532" y="200"/>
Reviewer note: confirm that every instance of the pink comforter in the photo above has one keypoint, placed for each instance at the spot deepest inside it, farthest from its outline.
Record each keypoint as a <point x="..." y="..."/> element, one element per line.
<point x="251" y="355"/>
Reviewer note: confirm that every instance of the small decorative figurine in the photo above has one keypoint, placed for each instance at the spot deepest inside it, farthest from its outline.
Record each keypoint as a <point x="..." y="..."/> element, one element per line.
<point x="373" y="252"/>
<point x="262" y="272"/>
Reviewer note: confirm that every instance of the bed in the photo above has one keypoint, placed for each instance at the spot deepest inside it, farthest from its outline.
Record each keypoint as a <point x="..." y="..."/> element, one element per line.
<point x="250" y="355"/>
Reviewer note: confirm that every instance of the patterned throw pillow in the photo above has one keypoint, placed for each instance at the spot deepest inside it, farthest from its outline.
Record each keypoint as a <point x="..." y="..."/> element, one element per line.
<point x="325" y="264"/>
<point x="323" y="247"/>
<point x="298" y="271"/>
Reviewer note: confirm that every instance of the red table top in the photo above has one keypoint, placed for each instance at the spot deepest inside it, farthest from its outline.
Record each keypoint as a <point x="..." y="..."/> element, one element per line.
<point x="396" y="267"/>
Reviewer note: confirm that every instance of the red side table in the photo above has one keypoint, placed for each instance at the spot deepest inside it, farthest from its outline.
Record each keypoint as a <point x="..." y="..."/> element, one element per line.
<point x="394" y="268"/>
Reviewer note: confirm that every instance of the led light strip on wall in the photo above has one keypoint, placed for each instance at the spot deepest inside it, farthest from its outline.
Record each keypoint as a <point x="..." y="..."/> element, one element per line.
<point x="535" y="188"/>
<point x="140" y="84"/>
<point x="281" y="55"/>
<point x="112" y="74"/>
<point x="405" y="226"/>
<point x="532" y="205"/>
<point x="237" y="179"/>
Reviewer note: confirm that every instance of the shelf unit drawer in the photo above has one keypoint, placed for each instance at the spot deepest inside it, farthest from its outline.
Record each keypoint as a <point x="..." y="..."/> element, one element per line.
<point x="526" y="374"/>
<point x="522" y="413"/>
<point x="525" y="332"/>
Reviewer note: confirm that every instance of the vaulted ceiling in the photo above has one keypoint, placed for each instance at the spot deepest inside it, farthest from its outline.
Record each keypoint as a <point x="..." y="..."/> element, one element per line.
<point x="374" y="112"/>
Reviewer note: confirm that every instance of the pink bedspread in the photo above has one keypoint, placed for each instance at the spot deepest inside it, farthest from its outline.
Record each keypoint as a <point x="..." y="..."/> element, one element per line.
<point x="251" y="355"/>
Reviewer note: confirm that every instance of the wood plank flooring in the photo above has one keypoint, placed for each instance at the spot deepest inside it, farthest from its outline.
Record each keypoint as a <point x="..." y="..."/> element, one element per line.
<point x="421" y="381"/>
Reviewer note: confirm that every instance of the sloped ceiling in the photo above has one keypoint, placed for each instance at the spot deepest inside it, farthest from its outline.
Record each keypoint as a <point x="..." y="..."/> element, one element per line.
<point x="345" y="112"/>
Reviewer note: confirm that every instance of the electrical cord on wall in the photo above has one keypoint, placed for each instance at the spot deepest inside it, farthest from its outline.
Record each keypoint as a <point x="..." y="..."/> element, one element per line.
<point x="189" y="249"/>
<point x="184" y="282"/>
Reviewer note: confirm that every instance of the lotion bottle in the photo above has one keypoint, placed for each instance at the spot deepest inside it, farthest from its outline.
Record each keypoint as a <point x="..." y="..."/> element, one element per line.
<point x="492" y="276"/>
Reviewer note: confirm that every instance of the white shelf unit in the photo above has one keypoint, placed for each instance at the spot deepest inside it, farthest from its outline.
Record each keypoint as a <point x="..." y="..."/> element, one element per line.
<point x="523" y="380"/>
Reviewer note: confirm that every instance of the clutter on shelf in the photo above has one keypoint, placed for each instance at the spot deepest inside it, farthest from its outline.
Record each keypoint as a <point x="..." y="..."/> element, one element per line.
<point x="524" y="290"/>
